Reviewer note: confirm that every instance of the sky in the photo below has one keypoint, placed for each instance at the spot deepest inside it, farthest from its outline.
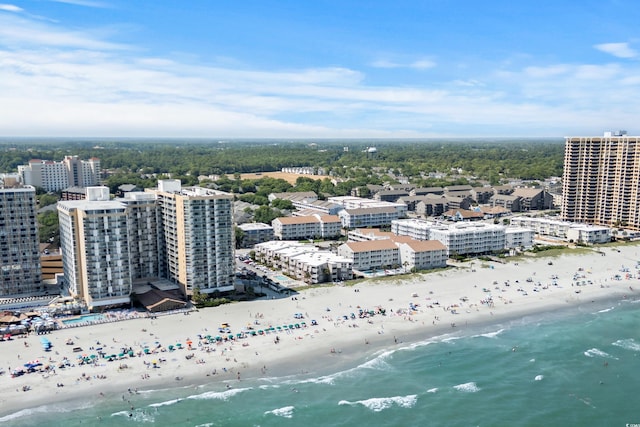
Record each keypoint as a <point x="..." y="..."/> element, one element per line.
<point x="318" y="68"/>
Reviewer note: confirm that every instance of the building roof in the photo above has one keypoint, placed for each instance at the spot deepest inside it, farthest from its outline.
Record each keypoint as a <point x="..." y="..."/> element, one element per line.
<point x="493" y="210"/>
<point x="295" y="195"/>
<point x="464" y="213"/>
<point x="426" y="245"/>
<point x="371" y="245"/>
<point x="527" y="192"/>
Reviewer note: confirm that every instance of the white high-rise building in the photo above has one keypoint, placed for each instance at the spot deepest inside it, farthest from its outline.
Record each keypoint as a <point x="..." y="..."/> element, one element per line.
<point x="56" y="176"/>
<point x="184" y="235"/>
<point x="20" y="272"/>
<point x="94" y="240"/>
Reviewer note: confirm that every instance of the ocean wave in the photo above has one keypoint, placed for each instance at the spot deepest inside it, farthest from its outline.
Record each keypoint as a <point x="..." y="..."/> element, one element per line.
<point x="489" y="334"/>
<point x="378" y="363"/>
<point x="539" y="377"/>
<point x="166" y="403"/>
<point x="467" y="387"/>
<point x="377" y="404"/>
<point x="592" y="352"/>
<point x="46" y="409"/>
<point x="628" y="344"/>
<point x="285" y="412"/>
<point x="605" y="310"/>
<point x="220" y="395"/>
<point x="432" y="390"/>
<point x="137" y="415"/>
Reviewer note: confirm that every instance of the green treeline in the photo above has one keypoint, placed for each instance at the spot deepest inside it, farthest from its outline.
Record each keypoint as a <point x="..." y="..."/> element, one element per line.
<point x="492" y="161"/>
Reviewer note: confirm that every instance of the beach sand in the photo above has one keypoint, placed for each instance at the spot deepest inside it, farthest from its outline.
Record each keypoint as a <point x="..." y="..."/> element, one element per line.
<point x="471" y="294"/>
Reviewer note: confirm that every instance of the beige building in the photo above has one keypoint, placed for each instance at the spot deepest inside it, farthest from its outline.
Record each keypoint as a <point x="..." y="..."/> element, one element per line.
<point x="314" y="226"/>
<point x="601" y="180"/>
<point x="195" y="236"/>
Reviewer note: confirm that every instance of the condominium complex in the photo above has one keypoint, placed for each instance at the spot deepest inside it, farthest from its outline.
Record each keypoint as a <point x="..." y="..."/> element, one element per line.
<point x="94" y="241"/>
<point x="196" y="236"/>
<point x="19" y="255"/>
<point x="56" y="176"/>
<point x="184" y="235"/>
<point x="304" y="261"/>
<point x="601" y="181"/>
<point x="314" y="226"/>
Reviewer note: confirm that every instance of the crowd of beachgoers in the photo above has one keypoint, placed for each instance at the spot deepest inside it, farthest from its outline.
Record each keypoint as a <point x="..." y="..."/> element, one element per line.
<point x="303" y="333"/>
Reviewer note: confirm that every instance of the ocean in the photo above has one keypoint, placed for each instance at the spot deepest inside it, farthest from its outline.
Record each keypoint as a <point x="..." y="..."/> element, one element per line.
<point x="576" y="367"/>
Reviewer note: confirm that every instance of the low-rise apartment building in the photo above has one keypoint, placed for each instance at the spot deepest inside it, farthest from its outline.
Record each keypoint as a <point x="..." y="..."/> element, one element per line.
<point x="367" y="217"/>
<point x="307" y="227"/>
<point x="254" y="233"/>
<point x="304" y="261"/>
<point x="579" y="233"/>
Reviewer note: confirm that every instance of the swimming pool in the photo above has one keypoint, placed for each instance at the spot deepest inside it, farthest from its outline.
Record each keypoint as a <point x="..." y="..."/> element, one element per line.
<point x="84" y="318"/>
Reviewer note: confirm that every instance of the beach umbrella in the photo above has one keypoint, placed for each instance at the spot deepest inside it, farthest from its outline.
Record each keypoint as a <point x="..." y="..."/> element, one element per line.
<point x="170" y="347"/>
<point x="146" y="351"/>
<point x="279" y="328"/>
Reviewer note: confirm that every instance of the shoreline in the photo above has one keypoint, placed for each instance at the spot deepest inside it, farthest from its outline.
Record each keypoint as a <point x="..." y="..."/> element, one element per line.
<point x="418" y="308"/>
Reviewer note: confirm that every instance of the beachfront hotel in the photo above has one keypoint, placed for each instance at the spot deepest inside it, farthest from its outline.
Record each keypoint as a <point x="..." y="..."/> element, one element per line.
<point x="195" y="236"/>
<point x="601" y="180"/>
<point x="94" y="242"/>
<point x="110" y="246"/>
<point x="20" y="273"/>
<point x="56" y="176"/>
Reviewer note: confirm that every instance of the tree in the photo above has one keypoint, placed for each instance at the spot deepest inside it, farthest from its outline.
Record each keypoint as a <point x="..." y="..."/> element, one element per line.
<point x="239" y="236"/>
<point x="48" y="228"/>
<point x="46" y="200"/>
<point x="283" y="204"/>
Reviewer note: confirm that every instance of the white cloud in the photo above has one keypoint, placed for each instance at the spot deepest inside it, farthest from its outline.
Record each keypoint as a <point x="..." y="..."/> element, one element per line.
<point x="78" y="83"/>
<point x="19" y="31"/>
<point x="86" y="3"/>
<point x="421" y="64"/>
<point x="620" y="50"/>
<point x="10" y="8"/>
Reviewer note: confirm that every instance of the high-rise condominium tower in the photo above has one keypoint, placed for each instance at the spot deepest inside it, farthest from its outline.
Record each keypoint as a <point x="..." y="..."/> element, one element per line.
<point x="56" y="176"/>
<point x="601" y="180"/>
<point x="20" y="273"/>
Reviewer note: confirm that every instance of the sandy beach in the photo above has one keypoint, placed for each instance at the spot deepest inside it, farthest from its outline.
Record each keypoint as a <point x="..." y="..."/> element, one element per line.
<point x="415" y="307"/>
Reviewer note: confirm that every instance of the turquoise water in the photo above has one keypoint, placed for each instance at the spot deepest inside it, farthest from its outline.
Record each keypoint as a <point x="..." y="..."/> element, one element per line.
<point x="84" y="318"/>
<point x="575" y="368"/>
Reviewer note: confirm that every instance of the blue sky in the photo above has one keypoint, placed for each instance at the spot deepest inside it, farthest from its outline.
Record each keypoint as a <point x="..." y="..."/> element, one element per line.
<point x="318" y="69"/>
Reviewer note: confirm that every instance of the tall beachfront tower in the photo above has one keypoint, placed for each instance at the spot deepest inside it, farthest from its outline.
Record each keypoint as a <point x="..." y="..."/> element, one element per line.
<point x="601" y="180"/>
<point x="94" y="240"/>
<point x="20" y="272"/>
<point x="56" y="176"/>
<point x="196" y="237"/>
